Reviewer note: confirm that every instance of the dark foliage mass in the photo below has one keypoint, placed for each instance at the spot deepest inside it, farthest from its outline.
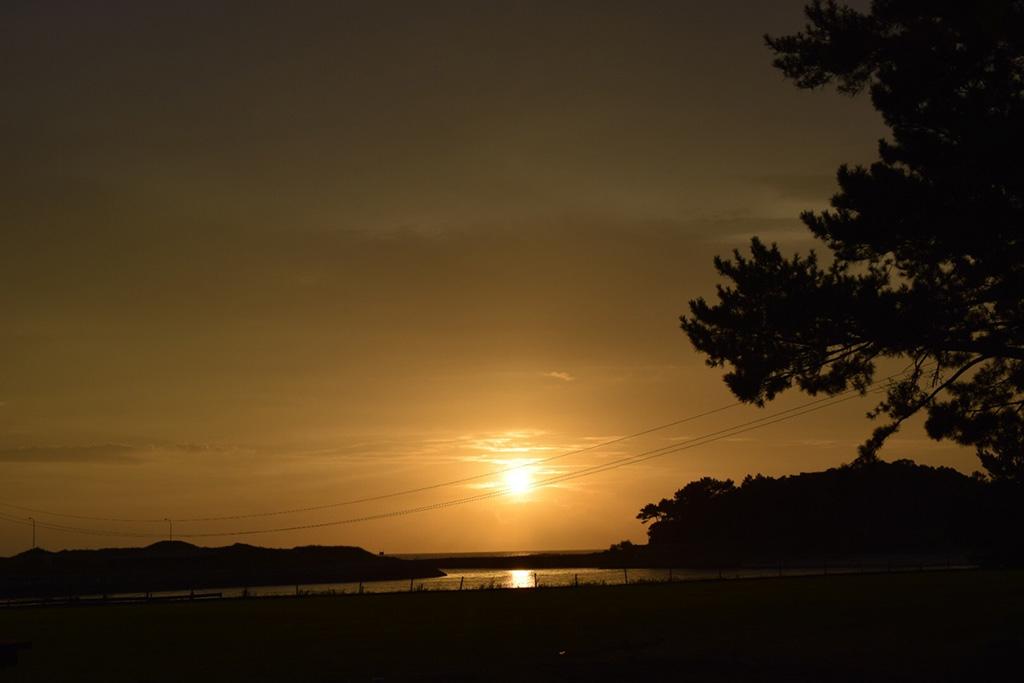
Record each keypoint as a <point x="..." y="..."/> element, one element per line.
<point x="174" y="565"/>
<point x="926" y="245"/>
<point x="867" y="508"/>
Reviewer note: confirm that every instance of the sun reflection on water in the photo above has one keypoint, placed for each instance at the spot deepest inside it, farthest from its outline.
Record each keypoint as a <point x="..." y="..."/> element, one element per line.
<point x="521" y="578"/>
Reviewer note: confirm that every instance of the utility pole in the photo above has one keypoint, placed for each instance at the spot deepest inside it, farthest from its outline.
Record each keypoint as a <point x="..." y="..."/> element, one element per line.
<point x="170" y="529"/>
<point x="33" y="519"/>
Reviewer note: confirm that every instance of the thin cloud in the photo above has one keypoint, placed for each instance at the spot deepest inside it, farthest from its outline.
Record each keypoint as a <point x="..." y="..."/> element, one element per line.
<point x="108" y="453"/>
<point x="558" y="374"/>
<point x="98" y="453"/>
<point x="817" y="443"/>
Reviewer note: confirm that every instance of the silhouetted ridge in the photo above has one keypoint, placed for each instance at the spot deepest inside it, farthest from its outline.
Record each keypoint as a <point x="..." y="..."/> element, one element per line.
<point x="176" y="565"/>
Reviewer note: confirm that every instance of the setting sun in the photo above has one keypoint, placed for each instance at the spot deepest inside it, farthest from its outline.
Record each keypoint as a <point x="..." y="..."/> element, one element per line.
<point x="519" y="480"/>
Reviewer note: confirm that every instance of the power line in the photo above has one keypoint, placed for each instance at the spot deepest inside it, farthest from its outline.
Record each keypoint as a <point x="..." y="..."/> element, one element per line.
<point x="544" y="460"/>
<point x="702" y="440"/>
<point x="384" y="496"/>
<point x="76" y="530"/>
<point x="595" y="469"/>
<point x="711" y="437"/>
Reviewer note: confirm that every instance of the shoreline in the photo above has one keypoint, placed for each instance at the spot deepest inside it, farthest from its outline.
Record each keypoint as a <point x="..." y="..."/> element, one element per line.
<point x="305" y="591"/>
<point x="909" y="626"/>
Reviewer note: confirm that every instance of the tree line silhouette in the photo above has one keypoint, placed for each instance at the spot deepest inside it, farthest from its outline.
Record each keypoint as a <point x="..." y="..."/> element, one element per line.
<point x="868" y="508"/>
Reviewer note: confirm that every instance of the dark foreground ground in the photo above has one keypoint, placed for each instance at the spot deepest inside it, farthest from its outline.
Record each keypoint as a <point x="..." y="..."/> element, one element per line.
<point x="931" y="626"/>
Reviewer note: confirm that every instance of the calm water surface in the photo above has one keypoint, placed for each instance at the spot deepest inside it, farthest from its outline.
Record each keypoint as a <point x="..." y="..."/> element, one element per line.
<point x="482" y="579"/>
<point x="485" y="579"/>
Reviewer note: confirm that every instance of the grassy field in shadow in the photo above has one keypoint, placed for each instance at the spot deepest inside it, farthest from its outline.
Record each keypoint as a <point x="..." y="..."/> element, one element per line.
<point x="931" y="626"/>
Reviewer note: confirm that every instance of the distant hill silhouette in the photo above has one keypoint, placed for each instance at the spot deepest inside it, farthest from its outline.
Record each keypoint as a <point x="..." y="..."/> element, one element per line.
<point x="869" y="508"/>
<point x="175" y="565"/>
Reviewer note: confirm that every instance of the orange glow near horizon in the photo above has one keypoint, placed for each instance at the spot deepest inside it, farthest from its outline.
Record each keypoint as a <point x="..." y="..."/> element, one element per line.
<point x="373" y="296"/>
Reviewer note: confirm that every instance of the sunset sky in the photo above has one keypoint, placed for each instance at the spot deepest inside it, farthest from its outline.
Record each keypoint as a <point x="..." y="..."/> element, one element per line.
<point x="257" y="256"/>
